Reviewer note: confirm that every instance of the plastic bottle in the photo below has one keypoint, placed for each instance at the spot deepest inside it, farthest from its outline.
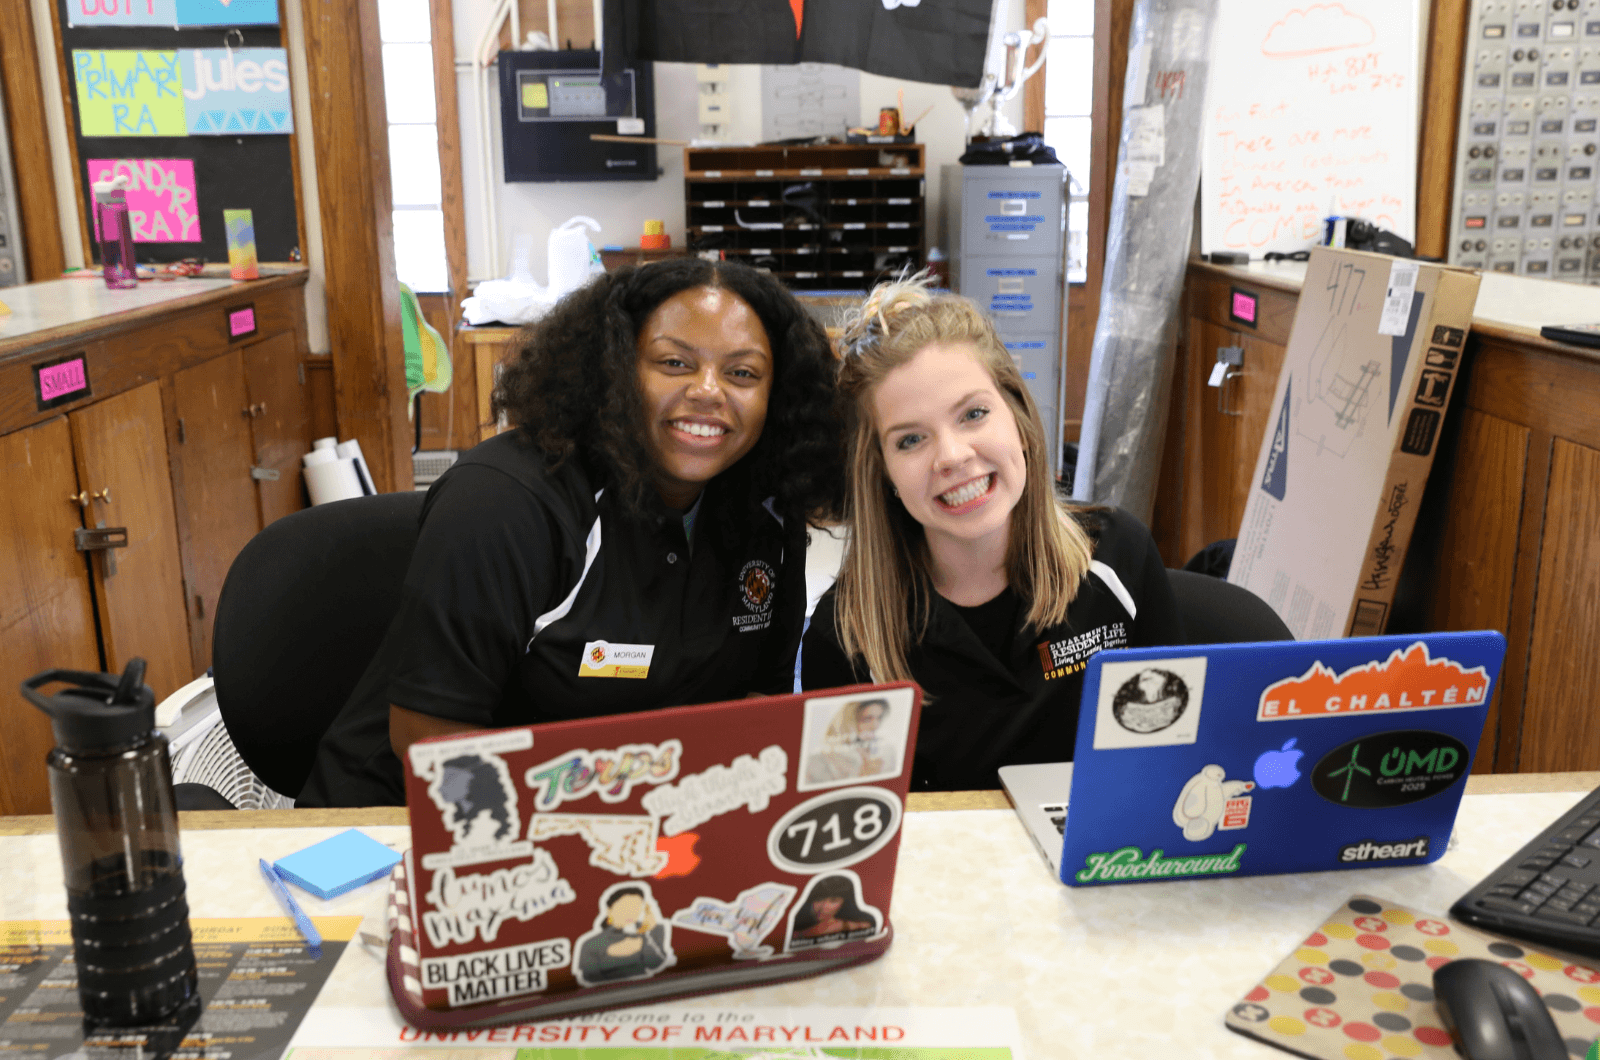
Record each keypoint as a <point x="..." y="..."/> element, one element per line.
<point x="111" y="788"/>
<point x="939" y="267"/>
<point x="117" y="265"/>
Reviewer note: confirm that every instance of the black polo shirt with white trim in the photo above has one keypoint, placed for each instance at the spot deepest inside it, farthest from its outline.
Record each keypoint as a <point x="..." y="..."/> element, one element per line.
<point x="982" y="710"/>
<point x="531" y="597"/>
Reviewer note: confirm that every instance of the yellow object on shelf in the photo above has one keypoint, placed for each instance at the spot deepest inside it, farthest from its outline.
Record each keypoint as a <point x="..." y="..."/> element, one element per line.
<point x="5" y="310"/>
<point x="654" y="228"/>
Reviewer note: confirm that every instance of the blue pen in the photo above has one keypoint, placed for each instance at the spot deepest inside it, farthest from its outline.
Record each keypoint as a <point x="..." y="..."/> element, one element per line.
<point x="307" y="929"/>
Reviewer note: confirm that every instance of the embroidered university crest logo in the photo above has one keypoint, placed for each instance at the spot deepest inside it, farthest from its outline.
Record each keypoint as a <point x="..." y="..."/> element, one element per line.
<point x="757" y="584"/>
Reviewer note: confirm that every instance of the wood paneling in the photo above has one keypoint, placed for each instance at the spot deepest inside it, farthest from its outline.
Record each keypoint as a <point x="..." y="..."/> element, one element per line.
<point x="30" y="143"/>
<point x="1552" y="392"/>
<point x="319" y="396"/>
<point x="1441" y="103"/>
<point x="1476" y="560"/>
<point x="128" y="349"/>
<point x="1561" y="730"/>
<point x="344" y="65"/>
<point x="46" y="613"/>
<point x="449" y="131"/>
<point x="1080" y="347"/>
<point x="450" y="420"/>
<point x="574" y="21"/>
<point x="217" y="502"/>
<point x="121" y="452"/>
<point x="280" y="422"/>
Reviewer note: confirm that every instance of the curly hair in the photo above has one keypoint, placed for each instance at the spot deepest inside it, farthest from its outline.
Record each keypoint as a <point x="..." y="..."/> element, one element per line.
<point x="572" y="385"/>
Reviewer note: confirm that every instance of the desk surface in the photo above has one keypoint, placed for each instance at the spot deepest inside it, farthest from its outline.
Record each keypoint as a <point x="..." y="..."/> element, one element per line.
<point x="1103" y="972"/>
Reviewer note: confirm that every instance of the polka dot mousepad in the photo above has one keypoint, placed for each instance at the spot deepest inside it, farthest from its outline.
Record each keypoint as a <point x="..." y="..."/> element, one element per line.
<point x="1361" y="987"/>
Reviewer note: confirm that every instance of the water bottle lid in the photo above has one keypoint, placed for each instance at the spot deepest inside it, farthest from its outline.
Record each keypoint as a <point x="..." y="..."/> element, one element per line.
<point x="97" y="712"/>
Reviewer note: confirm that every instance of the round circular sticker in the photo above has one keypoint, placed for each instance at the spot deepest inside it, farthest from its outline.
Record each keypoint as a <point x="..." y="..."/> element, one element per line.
<point x="833" y="830"/>
<point x="1387" y="769"/>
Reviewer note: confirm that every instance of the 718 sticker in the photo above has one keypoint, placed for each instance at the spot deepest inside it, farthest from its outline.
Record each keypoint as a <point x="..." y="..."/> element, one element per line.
<point x="834" y="830"/>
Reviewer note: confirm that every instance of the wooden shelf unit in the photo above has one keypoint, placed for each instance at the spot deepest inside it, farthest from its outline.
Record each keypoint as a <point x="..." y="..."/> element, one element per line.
<point x="831" y="217"/>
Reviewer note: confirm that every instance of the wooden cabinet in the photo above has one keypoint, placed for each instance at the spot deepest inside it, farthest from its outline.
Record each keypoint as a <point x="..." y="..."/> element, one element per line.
<point x="190" y="439"/>
<point x="1215" y="432"/>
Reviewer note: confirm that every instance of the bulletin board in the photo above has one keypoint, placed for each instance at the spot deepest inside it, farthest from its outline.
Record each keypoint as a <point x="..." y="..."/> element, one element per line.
<point x="1311" y="111"/>
<point x="184" y="172"/>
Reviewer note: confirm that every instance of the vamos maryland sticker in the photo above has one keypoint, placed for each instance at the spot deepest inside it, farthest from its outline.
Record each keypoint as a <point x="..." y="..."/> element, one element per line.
<point x="1408" y="679"/>
<point x="1390" y="769"/>
<point x="1129" y="863"/>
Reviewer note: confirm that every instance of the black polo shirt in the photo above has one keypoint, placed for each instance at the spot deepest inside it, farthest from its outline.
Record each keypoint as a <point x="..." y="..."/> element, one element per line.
<point x="531" y="597"/>
<point x="984" y="710"/>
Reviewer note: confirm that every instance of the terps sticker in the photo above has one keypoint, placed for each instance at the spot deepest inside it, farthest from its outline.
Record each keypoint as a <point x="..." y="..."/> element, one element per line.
<point x="1408" y="680"/>
<point x="1390" y="769"/>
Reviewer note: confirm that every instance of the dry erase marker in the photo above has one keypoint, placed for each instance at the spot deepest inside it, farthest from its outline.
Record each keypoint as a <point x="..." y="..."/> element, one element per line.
<point x="308" y="930"/>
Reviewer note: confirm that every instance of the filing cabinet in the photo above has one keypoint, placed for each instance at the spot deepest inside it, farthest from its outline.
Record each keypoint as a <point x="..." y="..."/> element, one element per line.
<point x="1006" y="228"/>
<point x="11" y="263"/>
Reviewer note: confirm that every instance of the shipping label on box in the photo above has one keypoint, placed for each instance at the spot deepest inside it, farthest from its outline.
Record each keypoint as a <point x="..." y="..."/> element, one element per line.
<point x="1358" y="413"/>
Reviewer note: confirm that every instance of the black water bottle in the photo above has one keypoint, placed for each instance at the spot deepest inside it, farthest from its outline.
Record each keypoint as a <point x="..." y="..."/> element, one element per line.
<point x="111" y="787"/>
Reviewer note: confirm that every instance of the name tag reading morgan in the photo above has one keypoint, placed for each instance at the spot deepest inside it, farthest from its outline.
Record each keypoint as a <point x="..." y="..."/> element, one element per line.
<point x="601" y="659"/>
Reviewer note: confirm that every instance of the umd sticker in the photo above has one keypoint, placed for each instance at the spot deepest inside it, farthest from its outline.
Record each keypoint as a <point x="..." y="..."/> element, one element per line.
<point x="601" y="659"/>
<point x="1407" y="680"/>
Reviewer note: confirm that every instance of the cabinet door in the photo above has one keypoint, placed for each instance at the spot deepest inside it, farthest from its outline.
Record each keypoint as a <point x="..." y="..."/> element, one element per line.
<point x="1250" y="395"/>
<point x="1216" y="413"/>
<point x="121" y="448"/>
<point x="212" y="461"/>
<point x="280" y="422"/>
<point x="46" y="614"/>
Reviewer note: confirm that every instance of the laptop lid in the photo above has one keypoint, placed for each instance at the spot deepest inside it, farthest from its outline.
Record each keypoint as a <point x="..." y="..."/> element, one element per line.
<point x="1246" y="759"/>
<point x="610" y="861"/>
<point x="1039" y="792"/>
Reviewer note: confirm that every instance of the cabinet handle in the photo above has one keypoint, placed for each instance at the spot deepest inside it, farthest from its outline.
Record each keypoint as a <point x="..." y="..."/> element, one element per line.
<point x="81" y="498"/>
<point x="1223" y="405"/>
<point x="104" y="495"/>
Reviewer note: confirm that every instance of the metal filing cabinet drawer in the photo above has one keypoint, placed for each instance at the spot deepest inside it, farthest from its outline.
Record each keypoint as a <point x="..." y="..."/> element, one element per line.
<point x="1011" y="211"/>
<point x="1019" y="294"/>
<point x="1035" y="357"/>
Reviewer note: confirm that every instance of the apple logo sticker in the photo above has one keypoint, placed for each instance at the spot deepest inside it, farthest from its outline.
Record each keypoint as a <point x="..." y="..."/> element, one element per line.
<point x="1276" y="769"/>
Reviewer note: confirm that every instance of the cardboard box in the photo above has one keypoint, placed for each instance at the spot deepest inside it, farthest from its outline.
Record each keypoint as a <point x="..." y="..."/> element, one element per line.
<point x="1360" y="404"/>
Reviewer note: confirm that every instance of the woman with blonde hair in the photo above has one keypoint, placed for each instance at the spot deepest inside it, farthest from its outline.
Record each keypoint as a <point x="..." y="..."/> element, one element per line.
<point x="963" y="571"/>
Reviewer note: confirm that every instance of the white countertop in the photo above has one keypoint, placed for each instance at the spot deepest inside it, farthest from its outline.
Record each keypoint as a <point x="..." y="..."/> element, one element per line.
<point x="62" y="303"/>
<point x="1103" y="972"/>
<point x="1504" y="300"/>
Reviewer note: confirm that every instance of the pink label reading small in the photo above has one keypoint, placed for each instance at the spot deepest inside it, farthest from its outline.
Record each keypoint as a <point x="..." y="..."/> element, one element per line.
<point x="242" y="321"/>
<point x="59" y="380"/>
<point x="1244" y="307"/>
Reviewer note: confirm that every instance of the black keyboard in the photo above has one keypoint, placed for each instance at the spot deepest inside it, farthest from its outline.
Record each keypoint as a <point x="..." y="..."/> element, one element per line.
<point x="1550" y="889"/>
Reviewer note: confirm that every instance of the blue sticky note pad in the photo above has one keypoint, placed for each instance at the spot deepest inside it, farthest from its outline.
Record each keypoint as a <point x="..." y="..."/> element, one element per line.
<point x="337" y="865"/>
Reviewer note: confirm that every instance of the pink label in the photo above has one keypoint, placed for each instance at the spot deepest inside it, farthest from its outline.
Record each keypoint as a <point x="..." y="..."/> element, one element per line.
<point x="1244" y="307"/>
<point x="59" y="380"/>
<point x="162" y="204"/>
<point x="242" y="321"/>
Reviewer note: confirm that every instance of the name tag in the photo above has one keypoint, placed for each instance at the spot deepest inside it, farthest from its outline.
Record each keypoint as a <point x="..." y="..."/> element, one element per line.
<point x="601" y="659"/>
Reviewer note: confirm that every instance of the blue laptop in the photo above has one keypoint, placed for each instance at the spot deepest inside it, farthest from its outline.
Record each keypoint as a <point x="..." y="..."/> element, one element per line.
<point x="1221" y="760"/>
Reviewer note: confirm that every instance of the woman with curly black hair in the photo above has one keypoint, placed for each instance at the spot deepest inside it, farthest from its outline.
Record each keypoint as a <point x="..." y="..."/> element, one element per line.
<point x="637" y="541"/>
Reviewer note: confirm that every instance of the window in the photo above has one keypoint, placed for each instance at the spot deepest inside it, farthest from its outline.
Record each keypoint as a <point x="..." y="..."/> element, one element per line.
<point x="419" y="246"/>
<point x="1068" y="104"/>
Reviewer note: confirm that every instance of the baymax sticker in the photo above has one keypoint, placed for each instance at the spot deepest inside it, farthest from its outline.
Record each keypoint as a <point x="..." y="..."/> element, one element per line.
<point x="694" y="800"/>
<point x="479" y="903"/>
<point x="630" y="939"/>
<point x="469" y="782"/>
<point x="830" y="912"/>
<point x="1209" y="802"/>
<point x="625" y="845"/>
<point x="744" y="922"/>
<point x="848" y="739"/>
<point x="1149" y="704"/>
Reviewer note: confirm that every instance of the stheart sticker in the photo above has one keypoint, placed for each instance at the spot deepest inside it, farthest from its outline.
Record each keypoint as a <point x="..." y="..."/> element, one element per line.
<point x="1149" y="704"/>
<point x="1390" y="769"/>
<point x="1409" y="679"/>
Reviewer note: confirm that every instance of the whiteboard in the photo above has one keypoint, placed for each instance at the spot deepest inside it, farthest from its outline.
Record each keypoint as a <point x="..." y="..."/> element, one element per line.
<point x="1311" y="110"/>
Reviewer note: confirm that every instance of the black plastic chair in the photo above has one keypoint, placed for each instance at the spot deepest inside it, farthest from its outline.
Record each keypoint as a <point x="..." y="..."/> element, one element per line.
<point x="302" y="612"/>
<point x="1217" y="612"/>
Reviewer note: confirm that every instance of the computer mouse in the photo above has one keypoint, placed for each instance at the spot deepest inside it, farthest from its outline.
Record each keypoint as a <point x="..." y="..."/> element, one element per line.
<point x="1492" y="1013"/>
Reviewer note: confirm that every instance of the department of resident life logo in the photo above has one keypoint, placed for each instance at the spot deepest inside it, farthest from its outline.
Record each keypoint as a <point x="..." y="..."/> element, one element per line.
<point x="1129" y="863"/>
<point x="758" y="583"/>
